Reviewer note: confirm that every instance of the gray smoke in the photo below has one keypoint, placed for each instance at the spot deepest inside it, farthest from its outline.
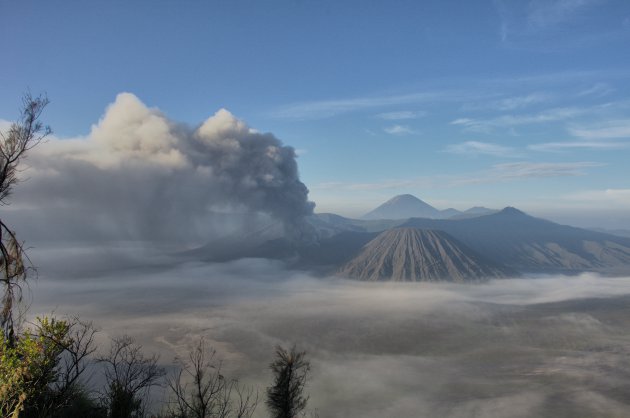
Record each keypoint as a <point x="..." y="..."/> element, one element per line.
<point x="139" y="175"/>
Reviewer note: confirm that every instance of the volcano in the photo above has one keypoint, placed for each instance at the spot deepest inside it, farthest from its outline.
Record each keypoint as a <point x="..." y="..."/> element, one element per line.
<point x="411" y="254"/>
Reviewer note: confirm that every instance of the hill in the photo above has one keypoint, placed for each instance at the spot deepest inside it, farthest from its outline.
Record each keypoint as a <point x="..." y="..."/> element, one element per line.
<point x="528" y="244"/>
<point x="410" y="254"/>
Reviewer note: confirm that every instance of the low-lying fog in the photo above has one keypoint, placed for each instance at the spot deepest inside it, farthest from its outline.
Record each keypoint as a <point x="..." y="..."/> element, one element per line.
<point x="544" y="346"/>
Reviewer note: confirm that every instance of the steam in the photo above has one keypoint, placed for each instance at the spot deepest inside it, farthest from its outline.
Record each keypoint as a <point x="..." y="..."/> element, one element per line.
<point x="140" y="175"/>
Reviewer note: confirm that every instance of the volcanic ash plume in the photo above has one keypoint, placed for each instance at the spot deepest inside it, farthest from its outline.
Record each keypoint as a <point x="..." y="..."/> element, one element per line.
<point x="140" y="175"/>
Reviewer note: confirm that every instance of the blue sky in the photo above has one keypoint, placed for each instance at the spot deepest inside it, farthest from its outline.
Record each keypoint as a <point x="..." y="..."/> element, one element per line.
<point x="493" y="103"/>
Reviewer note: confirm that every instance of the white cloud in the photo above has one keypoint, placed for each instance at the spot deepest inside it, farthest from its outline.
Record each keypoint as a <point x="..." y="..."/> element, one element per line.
<point x="564" y="146"/>
<point x="539" y="170"/>
<point x="610" y="129"/>
<point x="462" y="121"/>
<point x="319" y="109"/>
<point x="597" y="89"/>
<point x="619" y="197"/>
<point x="544" y="13"/>
<point x="550" y="80"/>
<point x="540" y="25"/>
<point x="551" y="115"/>
<point x="521" y="101"/>
<point x="548" y="116"/>
<point x="327" y="108"/>
<point x="510" y="103"/>
<point x="482" y="95"/>
<point x="477" y="148"/>
<point x="401" y="115"/>
<point x="399" y="130"/>
<point x="504" y="172"/>
<point x="525" y="170"/>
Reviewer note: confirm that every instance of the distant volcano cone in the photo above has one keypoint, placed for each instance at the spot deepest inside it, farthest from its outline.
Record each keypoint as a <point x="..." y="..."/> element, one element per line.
<point x="410" y="254"/>
<point x="402" y="207"/>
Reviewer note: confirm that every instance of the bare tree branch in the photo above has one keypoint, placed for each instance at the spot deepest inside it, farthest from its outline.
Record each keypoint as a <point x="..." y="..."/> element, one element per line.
<point x="65" y="379"/>
<point x="22" y="136"/>
<point x="129" y="376"/>
<point x="201" y="391"/>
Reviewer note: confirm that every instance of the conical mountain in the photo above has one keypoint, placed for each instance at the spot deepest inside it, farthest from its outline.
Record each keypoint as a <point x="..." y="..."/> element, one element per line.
<point x="403" y="206"/>
<point x="410" y="254"/>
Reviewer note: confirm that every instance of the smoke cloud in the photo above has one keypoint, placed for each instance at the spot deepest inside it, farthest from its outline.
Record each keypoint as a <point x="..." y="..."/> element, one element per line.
<point x="139" y="175"/>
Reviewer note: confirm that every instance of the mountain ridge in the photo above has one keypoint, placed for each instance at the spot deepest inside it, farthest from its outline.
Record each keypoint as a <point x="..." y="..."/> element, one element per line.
<point x="509" y="238"/>
<point x="405" y="206"/>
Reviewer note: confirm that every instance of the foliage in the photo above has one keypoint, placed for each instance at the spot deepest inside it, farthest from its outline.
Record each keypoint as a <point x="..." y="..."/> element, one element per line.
<point x="30" y="365"/>
<point x="285" y="397"/>
<point x="40" y="372"/>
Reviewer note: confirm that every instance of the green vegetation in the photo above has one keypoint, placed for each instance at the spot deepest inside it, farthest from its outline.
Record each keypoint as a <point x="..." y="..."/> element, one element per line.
<point x="40" y="373"/>
<point x="27" y="365"/>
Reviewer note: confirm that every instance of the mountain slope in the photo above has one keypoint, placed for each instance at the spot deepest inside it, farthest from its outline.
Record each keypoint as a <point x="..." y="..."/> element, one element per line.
<point x="402" y="207"/>
<point x="328" y="224"/>
<point x="618" y="232"/>
<point x="508" y="238"/>
<point x="474" y="212"/>
<point x="449" y="213"/>
<point x="528" y="244"/>
<point x="410" y="254"/>
<point x="479" y="210"/>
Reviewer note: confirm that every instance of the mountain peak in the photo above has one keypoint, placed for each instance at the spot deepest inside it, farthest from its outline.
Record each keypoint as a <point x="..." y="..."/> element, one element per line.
<point x="404" y="197"/>
<point x="411" y="254"/>
<point x="512" y="211"/>
<point x="402" y="207"/>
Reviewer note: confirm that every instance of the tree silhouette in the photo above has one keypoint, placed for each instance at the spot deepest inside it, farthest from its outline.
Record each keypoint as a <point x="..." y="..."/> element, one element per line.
<point x="201" y="391"/>
<point x="129" y="375"/>
<point x="285" y="398"/>
<point x="22" y="136"/>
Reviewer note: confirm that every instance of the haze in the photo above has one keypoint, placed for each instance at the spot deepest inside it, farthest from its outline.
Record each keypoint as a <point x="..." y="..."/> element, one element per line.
<point x="216" y="171"/>
<point x="546" y="346"/>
